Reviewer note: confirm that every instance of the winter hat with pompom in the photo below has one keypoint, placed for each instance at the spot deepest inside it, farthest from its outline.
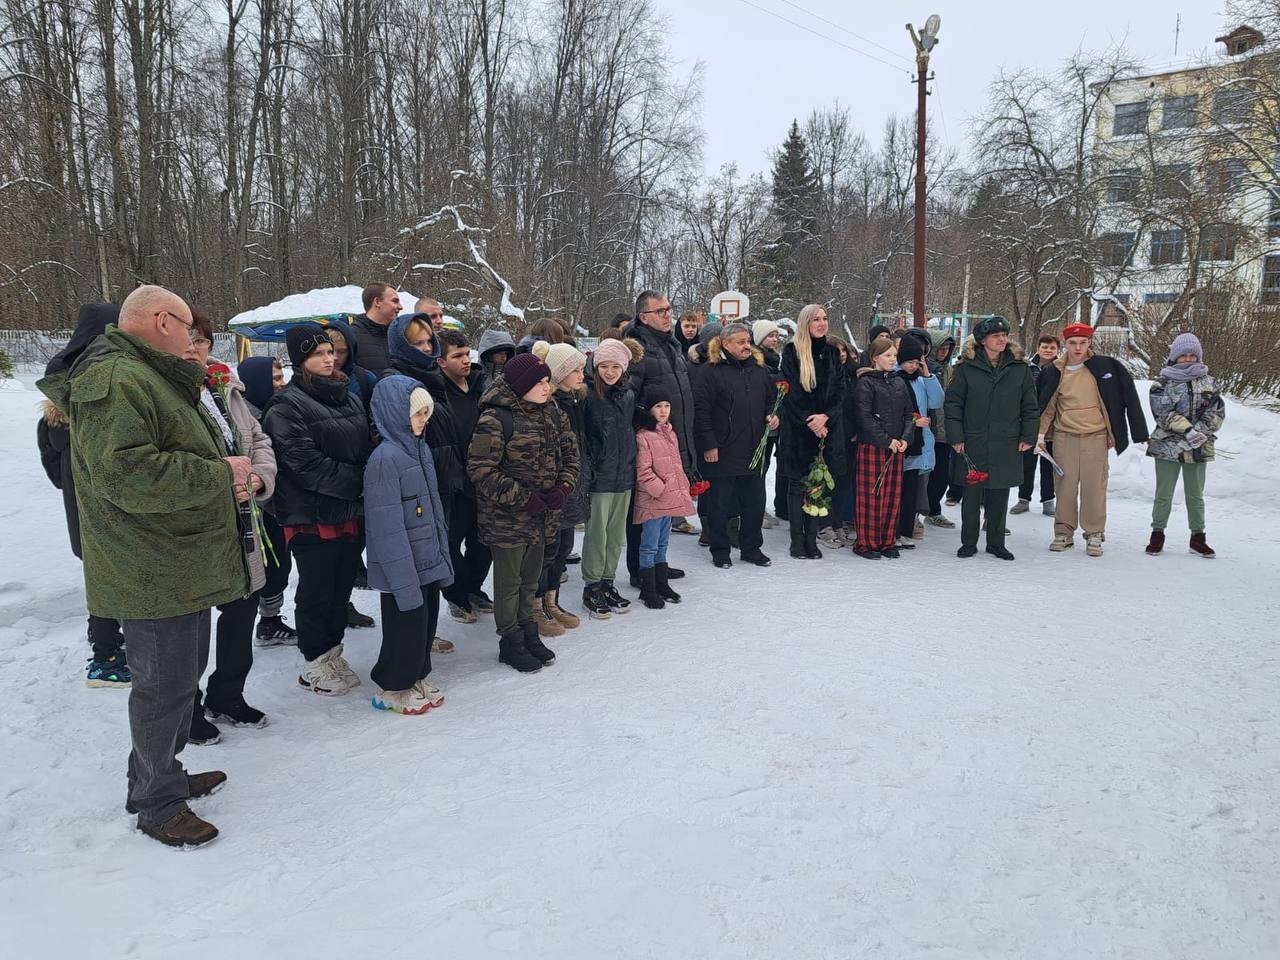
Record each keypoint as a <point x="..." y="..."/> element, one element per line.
<point x="1186" y="343"/>
<point x="561" y="358"/>
<point x="612" y="351"/>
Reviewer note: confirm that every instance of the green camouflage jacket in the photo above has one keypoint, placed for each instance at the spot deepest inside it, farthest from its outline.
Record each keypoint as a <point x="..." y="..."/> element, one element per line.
<point x="157" y="513"/>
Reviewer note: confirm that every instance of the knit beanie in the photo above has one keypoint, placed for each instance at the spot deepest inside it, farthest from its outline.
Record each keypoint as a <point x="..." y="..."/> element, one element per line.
<point x="419" y="399"/>
<point x="876" y="330"/>
<point x="612" y="351"/>
<point x="910" y="348"/>
<point x="302" y="340"/>
<point x="654" y="393"/>
<point x="709" y="332"/>
<point x="524" y="371"/>
<point x="1186" y="343"/>
<point x="561" y="358"/>
<point x="761" y="329"/>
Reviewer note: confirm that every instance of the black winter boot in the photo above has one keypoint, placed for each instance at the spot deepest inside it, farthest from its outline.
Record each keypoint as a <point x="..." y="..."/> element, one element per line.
<point x="649" y="589"/>
<point x="533" y="643"/>
<point x="512" y="652"/>
<point x="661" y="576"/>
<point x="811" y="551"/>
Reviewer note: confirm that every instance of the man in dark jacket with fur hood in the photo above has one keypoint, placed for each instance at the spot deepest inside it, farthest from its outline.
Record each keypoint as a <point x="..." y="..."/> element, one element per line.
<point x="733" y="400"/>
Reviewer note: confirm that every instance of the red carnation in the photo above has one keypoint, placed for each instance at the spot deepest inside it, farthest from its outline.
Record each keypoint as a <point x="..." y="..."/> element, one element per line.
<point x="217" y="376"/>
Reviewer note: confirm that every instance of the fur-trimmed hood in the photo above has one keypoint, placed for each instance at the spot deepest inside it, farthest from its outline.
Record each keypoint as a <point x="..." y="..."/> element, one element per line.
<point x="636" y="348"/>
<point x="715" y="353"/>
<point x="52" y="416"/>
<point x="968" y="351"/>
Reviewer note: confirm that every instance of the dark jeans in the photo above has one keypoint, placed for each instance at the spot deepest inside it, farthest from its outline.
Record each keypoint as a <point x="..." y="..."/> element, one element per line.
<point x="972" y="502"/>
<point x="910" y="493"/>
<point x="326" y="574"/>
<point x="940" y="478"/>
<point x="633" y="535"/>
<point x="166" y="658"/>
<point x="405" y="657"/>
<point x="233" y="652"/>
<point x="1029" y="459"/>
<point x="841" y="501"/>
<point x="742" y="497"/>
<point x="555" y="559"/>
<point x="470" y="567"/>
<point x="271" y="598"/>
<point x="105" y="638"/>
<point x="516" y="571"/>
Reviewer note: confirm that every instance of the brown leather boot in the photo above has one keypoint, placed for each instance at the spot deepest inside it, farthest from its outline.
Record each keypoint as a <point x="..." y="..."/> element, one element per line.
<point x="183" y="829"/>
<point x="1156" y="544"/>
<point x="552" y="603"/>
<point x="547" y="625"/>
<point x="198" y="785"/>
<point x="1199" y="546"/>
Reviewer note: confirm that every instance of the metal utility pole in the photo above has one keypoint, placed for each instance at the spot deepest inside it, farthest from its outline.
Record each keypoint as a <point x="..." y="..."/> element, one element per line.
<point x="924" y="42"/>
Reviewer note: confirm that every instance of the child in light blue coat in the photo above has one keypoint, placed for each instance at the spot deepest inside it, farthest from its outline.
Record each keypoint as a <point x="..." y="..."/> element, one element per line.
<point x="920" y="458"/>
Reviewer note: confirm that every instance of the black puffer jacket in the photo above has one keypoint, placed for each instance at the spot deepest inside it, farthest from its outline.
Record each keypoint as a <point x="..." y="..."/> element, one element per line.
<point x="884" y="403"/>
<point x="732" y="400"/>
<point x="320" y="433"/>
<point x="610" y="439"/>
<point x="372" y="339"/>
<point x="797" y="444"/>
<point x="664" y="364"/>
<point x="574" y="408"/>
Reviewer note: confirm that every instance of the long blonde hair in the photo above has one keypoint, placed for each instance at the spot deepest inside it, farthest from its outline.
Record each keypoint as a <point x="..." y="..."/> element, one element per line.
<point x="803" y="345"/>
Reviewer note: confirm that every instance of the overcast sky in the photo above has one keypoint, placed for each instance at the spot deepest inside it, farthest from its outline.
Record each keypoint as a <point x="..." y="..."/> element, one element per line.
<point x="761" y="71"/>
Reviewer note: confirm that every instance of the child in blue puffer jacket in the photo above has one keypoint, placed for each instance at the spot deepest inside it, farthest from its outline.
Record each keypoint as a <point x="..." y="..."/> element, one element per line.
<point x="407" y="542"/>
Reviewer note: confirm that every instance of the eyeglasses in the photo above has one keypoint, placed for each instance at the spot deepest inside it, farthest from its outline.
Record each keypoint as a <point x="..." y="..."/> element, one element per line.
<point x="662" y="311"/>
<point x="189" y="327"/>
<point x="201" y="342"/>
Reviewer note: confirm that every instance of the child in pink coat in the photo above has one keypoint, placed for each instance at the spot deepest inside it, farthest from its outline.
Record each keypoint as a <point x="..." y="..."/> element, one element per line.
<point x="662" y="492"/>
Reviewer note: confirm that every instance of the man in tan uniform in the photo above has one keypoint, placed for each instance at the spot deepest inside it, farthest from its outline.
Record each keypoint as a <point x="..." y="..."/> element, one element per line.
<point x="1088" y="405"/>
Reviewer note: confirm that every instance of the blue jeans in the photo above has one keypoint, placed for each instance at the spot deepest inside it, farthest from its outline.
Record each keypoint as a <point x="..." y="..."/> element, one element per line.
<point x="654" y="536"/>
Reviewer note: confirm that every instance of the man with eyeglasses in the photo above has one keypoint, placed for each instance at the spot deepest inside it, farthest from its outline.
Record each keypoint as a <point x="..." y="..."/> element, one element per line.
<point x="381" y="307"/>
<point x="665" y="366"/>
<point x="157" y="494"/>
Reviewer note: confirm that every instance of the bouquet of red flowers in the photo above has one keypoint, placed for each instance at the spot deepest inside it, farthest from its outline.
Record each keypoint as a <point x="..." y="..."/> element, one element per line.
<point x="217" y="377"/>
<point x="757" y="459"/>
<point x="974" y="477"/>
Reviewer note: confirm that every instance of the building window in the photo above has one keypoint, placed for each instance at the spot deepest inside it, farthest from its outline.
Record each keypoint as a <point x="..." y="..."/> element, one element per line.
<point x="1159" y="298"/>
<point x="1224" y="177"/>
<point x="1130" y="118"/>
<point x="1166" y="247"/>
<point x="1173" y="181"/>
<point x="1115" y="309"/>
<point x="1215" y="302"/>
<point x="1232" y="105"/>
<point x="1217" y="242"/>
<point x="1116" y="249"/>
<point x="1271" y="280"/>
<point x="1179" y="112"/>
<point x="1122" y="185"/>
<point x="1273" y="218"/>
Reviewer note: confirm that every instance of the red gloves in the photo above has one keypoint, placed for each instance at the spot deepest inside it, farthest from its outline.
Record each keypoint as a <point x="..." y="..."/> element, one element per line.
<point x="557" y="496"/>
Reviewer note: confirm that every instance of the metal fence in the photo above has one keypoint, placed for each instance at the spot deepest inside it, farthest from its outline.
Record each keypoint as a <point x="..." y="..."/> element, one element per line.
<point x="32" y="347"/>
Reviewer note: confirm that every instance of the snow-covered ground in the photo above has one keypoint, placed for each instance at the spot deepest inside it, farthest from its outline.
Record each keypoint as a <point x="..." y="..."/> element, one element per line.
<point x="1061" y="757"/>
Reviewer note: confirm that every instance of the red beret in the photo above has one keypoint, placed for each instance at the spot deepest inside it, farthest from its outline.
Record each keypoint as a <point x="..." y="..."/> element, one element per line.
<point x="1077" y="330"/>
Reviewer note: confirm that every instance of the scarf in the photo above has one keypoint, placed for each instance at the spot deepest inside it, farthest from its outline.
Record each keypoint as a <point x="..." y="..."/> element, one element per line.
<point x="1184" y="372"/>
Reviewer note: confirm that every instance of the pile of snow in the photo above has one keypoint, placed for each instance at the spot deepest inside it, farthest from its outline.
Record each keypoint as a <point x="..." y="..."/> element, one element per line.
<point x="1248" y="449"/>
<point x="10" y="384"/>
<point x="313" y="303"/>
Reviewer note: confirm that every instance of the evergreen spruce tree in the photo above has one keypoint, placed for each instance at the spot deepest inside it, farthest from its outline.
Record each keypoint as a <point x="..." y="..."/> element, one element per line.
<point x="789" y="261"/>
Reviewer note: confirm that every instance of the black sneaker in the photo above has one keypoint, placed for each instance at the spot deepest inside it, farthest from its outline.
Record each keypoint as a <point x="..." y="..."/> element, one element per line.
<point x="1000" y="552"/>
<point x="756" y="558"/>
<point x="203" y="733"/>
<point x="868" y="554"/>
<point x="724" y="563"/>
<point x="594" y="603"/>
<point x="674" y="573"/>
<point x="617" y="602"/>
<point x="356" y="619"/>
<point x="890" y="553"/>
<point x="966" y="551"/>
<point x="237" y="713"/>
<point x="573" y="558"/>
<point x="274" y="632"/>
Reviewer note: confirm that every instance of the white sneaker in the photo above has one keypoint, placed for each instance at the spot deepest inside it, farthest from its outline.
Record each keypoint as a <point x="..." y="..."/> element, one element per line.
<point x="344" y="668"/>
<point x="433" y="694"/>
<point x="323" y="676"/>
<point x="1093" y="544"/>
<point x="1061" y="542"/>
<point x="938" y="520"/>
<point x="412" y="702"/>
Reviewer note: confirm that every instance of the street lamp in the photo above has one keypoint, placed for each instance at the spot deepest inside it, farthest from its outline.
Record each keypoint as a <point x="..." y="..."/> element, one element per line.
<point x="924" y="42"/>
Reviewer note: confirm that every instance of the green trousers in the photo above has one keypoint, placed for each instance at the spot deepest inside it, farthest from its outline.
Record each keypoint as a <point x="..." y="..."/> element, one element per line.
<point x="976" y="501"/>
<point x="516" y="572"/>
<point x="1167" y="472"/>
<point x="605" y="537"/>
